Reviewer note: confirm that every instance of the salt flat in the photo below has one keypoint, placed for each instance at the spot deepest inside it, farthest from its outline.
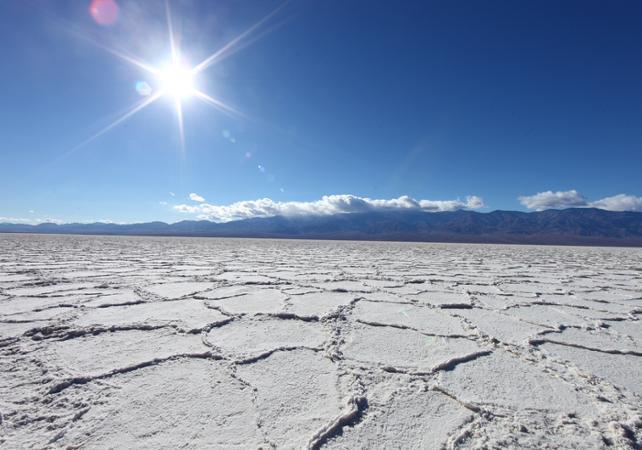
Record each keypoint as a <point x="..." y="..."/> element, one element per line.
<point x="125" y="342"/>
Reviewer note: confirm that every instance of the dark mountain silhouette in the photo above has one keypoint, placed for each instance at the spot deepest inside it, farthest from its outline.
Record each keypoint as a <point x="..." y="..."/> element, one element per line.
<point x="575" y="226"/>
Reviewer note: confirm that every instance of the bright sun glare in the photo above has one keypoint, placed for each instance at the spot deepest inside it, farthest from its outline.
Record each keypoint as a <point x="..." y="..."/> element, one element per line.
<point x="177" y="81"/>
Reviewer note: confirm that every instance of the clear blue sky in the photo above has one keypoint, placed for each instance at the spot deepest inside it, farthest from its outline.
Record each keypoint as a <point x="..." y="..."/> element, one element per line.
<point x="436" y="100"/>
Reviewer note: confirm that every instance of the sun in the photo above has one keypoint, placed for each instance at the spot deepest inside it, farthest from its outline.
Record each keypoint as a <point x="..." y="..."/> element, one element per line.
<point x="177" y="81"/>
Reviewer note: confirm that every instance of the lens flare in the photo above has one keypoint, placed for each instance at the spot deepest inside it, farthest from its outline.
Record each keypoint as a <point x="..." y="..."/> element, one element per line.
<point x="104" y="12"/>
<point x="143" y="89"/>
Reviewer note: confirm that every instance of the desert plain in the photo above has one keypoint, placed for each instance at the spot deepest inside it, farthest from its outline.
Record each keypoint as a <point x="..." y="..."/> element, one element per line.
<point x="141" y="342"/>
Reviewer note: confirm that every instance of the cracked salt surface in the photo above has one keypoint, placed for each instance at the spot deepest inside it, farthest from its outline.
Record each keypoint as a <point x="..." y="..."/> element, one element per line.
<point x="319" y="304"/>
<point x="405" y="416"/>
<point x="425" y="320"/>
<point x="191" y="402"/>
<point x="248" y="338"/>
<point x="188" y="316"/>
<point x="405" y="350"/>
<point x="221" y="343"/>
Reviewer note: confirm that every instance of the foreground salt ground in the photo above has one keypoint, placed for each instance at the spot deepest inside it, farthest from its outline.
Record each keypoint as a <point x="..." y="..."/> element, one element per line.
<point x="220" y="343"/>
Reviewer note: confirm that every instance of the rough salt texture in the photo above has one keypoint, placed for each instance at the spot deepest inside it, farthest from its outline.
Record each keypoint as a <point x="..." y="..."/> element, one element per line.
<point x="119" y="342"/>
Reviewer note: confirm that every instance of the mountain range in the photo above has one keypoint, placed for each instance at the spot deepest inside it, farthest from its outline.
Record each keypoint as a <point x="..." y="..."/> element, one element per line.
<point x="574" y="226"/>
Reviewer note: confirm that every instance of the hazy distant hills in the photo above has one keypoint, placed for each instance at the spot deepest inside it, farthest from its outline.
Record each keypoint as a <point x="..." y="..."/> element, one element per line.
<point x="582" y="226"/>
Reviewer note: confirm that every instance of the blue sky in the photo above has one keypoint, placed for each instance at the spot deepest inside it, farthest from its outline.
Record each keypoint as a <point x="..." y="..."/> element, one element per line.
<point x="440" y="101"/>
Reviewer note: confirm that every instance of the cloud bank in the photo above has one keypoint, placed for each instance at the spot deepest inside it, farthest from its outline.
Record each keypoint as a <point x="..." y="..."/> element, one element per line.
<point x="327" y="205"/>
<point x="573" y="199"/>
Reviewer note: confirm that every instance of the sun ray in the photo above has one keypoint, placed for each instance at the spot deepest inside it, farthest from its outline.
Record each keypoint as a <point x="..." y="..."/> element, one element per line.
<point x="130" y="112"/>
<point x="181" y="128"/>
<point x="218" y="104"/>
<point x="234" y="45"/>
<point x="170" y="31"/>
<point x="130" y="59"/>
<point x="125" y="56"/>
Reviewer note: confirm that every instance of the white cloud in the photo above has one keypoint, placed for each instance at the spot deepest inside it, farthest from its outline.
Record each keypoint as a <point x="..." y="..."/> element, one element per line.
<point x="550" y="199"/>
<point x="50" y="220"/>
<point x="196" y="197"/>
<point x="327" y="205"/>
<point x="30" y="221"/>
<point x="172" y="194"/>
<point x="620" y="202"/>
<point x="573" y="199"/>
<point x="15" y="220"/>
